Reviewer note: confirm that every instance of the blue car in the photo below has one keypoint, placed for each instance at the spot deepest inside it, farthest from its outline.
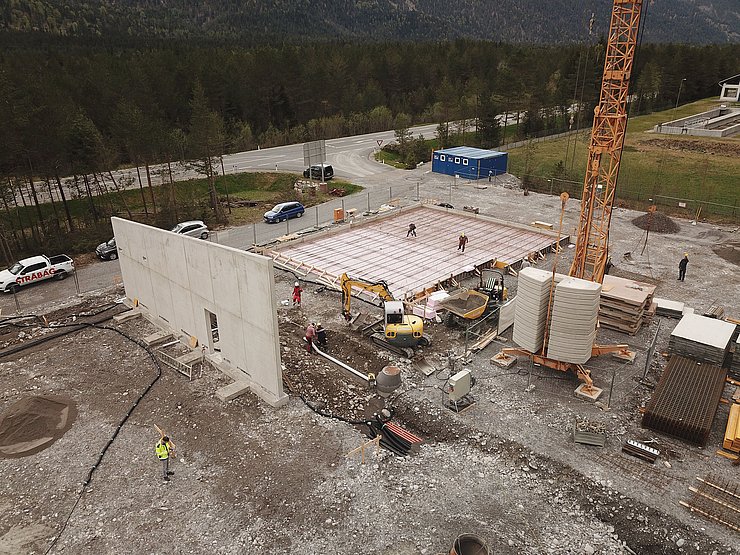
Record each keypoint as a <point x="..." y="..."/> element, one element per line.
<point x="284" y="211"/>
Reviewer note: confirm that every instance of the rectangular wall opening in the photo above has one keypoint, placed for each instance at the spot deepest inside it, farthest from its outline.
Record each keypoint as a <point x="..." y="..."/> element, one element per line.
<point x="213" y="336"/>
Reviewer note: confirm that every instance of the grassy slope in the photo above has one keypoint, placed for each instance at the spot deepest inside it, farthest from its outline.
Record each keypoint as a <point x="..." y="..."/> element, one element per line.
<point x="651" y="169"/>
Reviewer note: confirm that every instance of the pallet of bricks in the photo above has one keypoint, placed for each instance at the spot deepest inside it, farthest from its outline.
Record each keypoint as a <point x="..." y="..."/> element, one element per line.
<point x="625" y="304"/>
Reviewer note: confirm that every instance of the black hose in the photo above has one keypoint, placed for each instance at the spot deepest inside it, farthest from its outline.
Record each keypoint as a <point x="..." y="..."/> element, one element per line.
<point x="63" y="329"/>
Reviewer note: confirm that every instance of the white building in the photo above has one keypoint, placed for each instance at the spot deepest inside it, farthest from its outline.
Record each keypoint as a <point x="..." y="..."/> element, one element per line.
<point x="730" y="89"/>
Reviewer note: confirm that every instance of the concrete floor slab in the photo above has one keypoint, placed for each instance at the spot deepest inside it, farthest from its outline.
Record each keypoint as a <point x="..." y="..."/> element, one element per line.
<point x="379" y="250"/>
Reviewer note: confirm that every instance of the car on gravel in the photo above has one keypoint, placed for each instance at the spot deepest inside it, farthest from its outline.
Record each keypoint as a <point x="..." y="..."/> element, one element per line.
<point x="35" y="268"/>
<point x="107" y="250"/>
<point x="192" y="228"/>
<point x="284" y="211"/>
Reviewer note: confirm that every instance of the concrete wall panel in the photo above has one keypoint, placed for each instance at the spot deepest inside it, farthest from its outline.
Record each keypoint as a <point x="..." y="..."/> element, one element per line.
<point x="198" y="266"/>
<point x="163" y="301"/>
<point x="178" y="278"/>
<point x="228" y="272"/>
<point x="183" y="311"/>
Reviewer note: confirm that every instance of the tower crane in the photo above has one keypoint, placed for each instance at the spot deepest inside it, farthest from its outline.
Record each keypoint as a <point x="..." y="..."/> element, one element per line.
<point x="607" y="140"/>
<point x="602" y="171"/>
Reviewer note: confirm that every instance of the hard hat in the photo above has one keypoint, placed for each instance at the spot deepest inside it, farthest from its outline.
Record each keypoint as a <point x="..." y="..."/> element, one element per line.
<point x="297" y="284"/>
<point x="685" y="254"/>
<point x="462" y="234"/>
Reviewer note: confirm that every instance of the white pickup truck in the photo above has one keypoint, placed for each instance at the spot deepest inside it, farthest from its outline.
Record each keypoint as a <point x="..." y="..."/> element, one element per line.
<point x="36" y="268"/>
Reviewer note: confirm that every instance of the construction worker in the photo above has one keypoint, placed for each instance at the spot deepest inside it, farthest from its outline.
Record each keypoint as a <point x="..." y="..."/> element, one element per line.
<point x="463" y="240"/>
<point x="297" y="290"/>
<point x="682" y="266"/>
<point x="412" y="231"/>
<point x="310" y="336"/>
<point x="163" y="450"/>
<point x="321" y="336"/>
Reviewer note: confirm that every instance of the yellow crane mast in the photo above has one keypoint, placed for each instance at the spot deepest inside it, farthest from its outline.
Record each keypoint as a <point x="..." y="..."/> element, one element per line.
<point x="607" y="139"/>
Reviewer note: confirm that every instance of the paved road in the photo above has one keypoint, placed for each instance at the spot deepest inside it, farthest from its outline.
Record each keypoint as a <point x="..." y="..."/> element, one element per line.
<point x="350" y="156"/>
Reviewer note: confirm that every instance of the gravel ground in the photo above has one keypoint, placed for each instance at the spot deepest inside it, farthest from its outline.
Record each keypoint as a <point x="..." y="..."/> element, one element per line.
<point x="252" y="479"/>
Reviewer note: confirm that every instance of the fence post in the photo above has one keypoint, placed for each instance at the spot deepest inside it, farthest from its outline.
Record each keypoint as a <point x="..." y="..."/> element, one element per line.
<point x="368" y="202"/>
<point x="317" y="215"/>
<point x="390" y="194"/>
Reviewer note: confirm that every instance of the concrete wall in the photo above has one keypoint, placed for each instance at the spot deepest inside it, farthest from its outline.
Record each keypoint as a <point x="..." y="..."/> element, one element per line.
<point x="176" y="279"/>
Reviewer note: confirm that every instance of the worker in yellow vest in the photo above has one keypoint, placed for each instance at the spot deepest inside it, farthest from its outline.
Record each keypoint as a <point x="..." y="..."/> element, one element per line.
<point x="163" y="450"/>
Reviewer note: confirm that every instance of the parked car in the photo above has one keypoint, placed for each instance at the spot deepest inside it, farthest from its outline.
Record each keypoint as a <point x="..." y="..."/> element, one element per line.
<point x="107" y="250"/>
<point x="193" y="228"/>
<point x="314" y="172"/>
<point x="35" y="268"/>
<point x="284" y="211"/>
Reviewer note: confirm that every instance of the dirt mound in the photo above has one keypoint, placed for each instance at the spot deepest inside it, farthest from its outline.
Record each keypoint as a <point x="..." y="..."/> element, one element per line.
<point x="657" y="222"/>
<point x="696" y="145"/>
<point x="729" y="251"/>
<point x="33" y="424"/>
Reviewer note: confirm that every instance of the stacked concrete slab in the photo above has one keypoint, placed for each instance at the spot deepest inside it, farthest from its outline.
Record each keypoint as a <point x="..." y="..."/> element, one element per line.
<point x="625" y="304"/>
<point x="530" y="316"/>
<point x="702" y="339"/>
<point x="735" y="365"/>
<point x="667" y="307"/>
<point x="575" y="310"/>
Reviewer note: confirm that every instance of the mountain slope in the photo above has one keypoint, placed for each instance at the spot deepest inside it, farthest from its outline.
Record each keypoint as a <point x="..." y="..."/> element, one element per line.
<point x="533" y="21"/>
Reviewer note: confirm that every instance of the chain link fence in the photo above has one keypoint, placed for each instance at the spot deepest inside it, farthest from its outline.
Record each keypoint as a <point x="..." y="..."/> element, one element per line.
<point x="639" y="199"/>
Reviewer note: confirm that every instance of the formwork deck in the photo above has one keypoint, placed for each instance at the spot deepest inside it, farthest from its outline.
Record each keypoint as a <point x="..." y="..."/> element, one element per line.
<point x="379" y="249"/>
<point x="686" y="399"/>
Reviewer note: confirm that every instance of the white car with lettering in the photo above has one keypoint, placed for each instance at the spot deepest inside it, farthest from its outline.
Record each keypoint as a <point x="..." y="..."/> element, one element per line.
<point x="35" y="268"/>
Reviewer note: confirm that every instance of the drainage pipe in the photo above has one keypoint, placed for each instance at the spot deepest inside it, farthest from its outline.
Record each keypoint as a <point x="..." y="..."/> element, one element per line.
<point x="348" y="368"/>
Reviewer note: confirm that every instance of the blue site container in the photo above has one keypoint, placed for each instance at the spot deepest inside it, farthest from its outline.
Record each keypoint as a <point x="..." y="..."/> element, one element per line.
<point x="469" y="162"/>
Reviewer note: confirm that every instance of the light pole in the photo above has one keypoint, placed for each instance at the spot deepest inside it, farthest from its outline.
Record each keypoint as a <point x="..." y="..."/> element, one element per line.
<point x="678" y="96"/>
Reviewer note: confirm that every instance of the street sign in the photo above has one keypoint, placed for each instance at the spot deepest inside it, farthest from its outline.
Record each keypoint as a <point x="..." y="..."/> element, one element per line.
<point x="380" y="142"/>
<point x="314" y="153"/>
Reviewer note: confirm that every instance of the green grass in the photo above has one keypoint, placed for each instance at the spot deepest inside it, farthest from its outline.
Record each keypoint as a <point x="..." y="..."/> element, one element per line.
<point x="390" y="158"/>
<point x="394" y="159"/>
<point x="650" y="167"/>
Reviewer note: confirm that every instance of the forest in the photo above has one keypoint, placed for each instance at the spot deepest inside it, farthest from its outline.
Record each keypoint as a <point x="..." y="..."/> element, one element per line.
<point x="82" y="107"/>
<point x="278" y="21"/>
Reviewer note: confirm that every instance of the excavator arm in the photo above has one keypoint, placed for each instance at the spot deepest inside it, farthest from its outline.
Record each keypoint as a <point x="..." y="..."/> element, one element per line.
<point x="380" y="288"/>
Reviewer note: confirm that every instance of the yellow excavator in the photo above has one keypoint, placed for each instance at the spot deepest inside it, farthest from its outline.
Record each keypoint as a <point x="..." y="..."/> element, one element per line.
<point x="402" y="333"/>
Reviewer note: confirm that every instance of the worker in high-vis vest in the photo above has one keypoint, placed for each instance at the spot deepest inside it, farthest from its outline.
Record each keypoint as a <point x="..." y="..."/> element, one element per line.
<point x="163" y="449"/>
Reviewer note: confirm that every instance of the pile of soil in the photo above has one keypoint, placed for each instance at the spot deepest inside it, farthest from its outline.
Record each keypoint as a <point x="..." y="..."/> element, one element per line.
<point x="696" y="145"/>
<point x="657" y="222"/>
<point x="33" y="424"/>
<point x="729" y="251"/>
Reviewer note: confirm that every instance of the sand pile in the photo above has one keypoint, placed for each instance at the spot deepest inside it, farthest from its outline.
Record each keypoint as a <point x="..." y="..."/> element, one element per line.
<point x="33" y="424"/>
<point x="657" y="222"/>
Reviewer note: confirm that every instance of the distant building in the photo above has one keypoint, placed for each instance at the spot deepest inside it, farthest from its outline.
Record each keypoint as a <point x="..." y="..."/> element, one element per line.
<point x="730" y="89"/>
<point x="469" y="162"/>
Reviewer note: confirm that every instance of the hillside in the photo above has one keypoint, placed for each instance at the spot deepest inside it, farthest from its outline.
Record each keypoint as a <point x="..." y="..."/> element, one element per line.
<point x="530" y="21"/>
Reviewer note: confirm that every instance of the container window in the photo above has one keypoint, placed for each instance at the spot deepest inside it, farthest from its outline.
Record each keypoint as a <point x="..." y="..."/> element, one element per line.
<point x="442" y="157"/>
<point x="457" y="160"/>
<point x="465" y="161"/>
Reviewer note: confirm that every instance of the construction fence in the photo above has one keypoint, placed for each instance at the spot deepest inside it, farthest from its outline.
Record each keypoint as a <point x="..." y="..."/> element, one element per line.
<point x="636" y="197"/>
